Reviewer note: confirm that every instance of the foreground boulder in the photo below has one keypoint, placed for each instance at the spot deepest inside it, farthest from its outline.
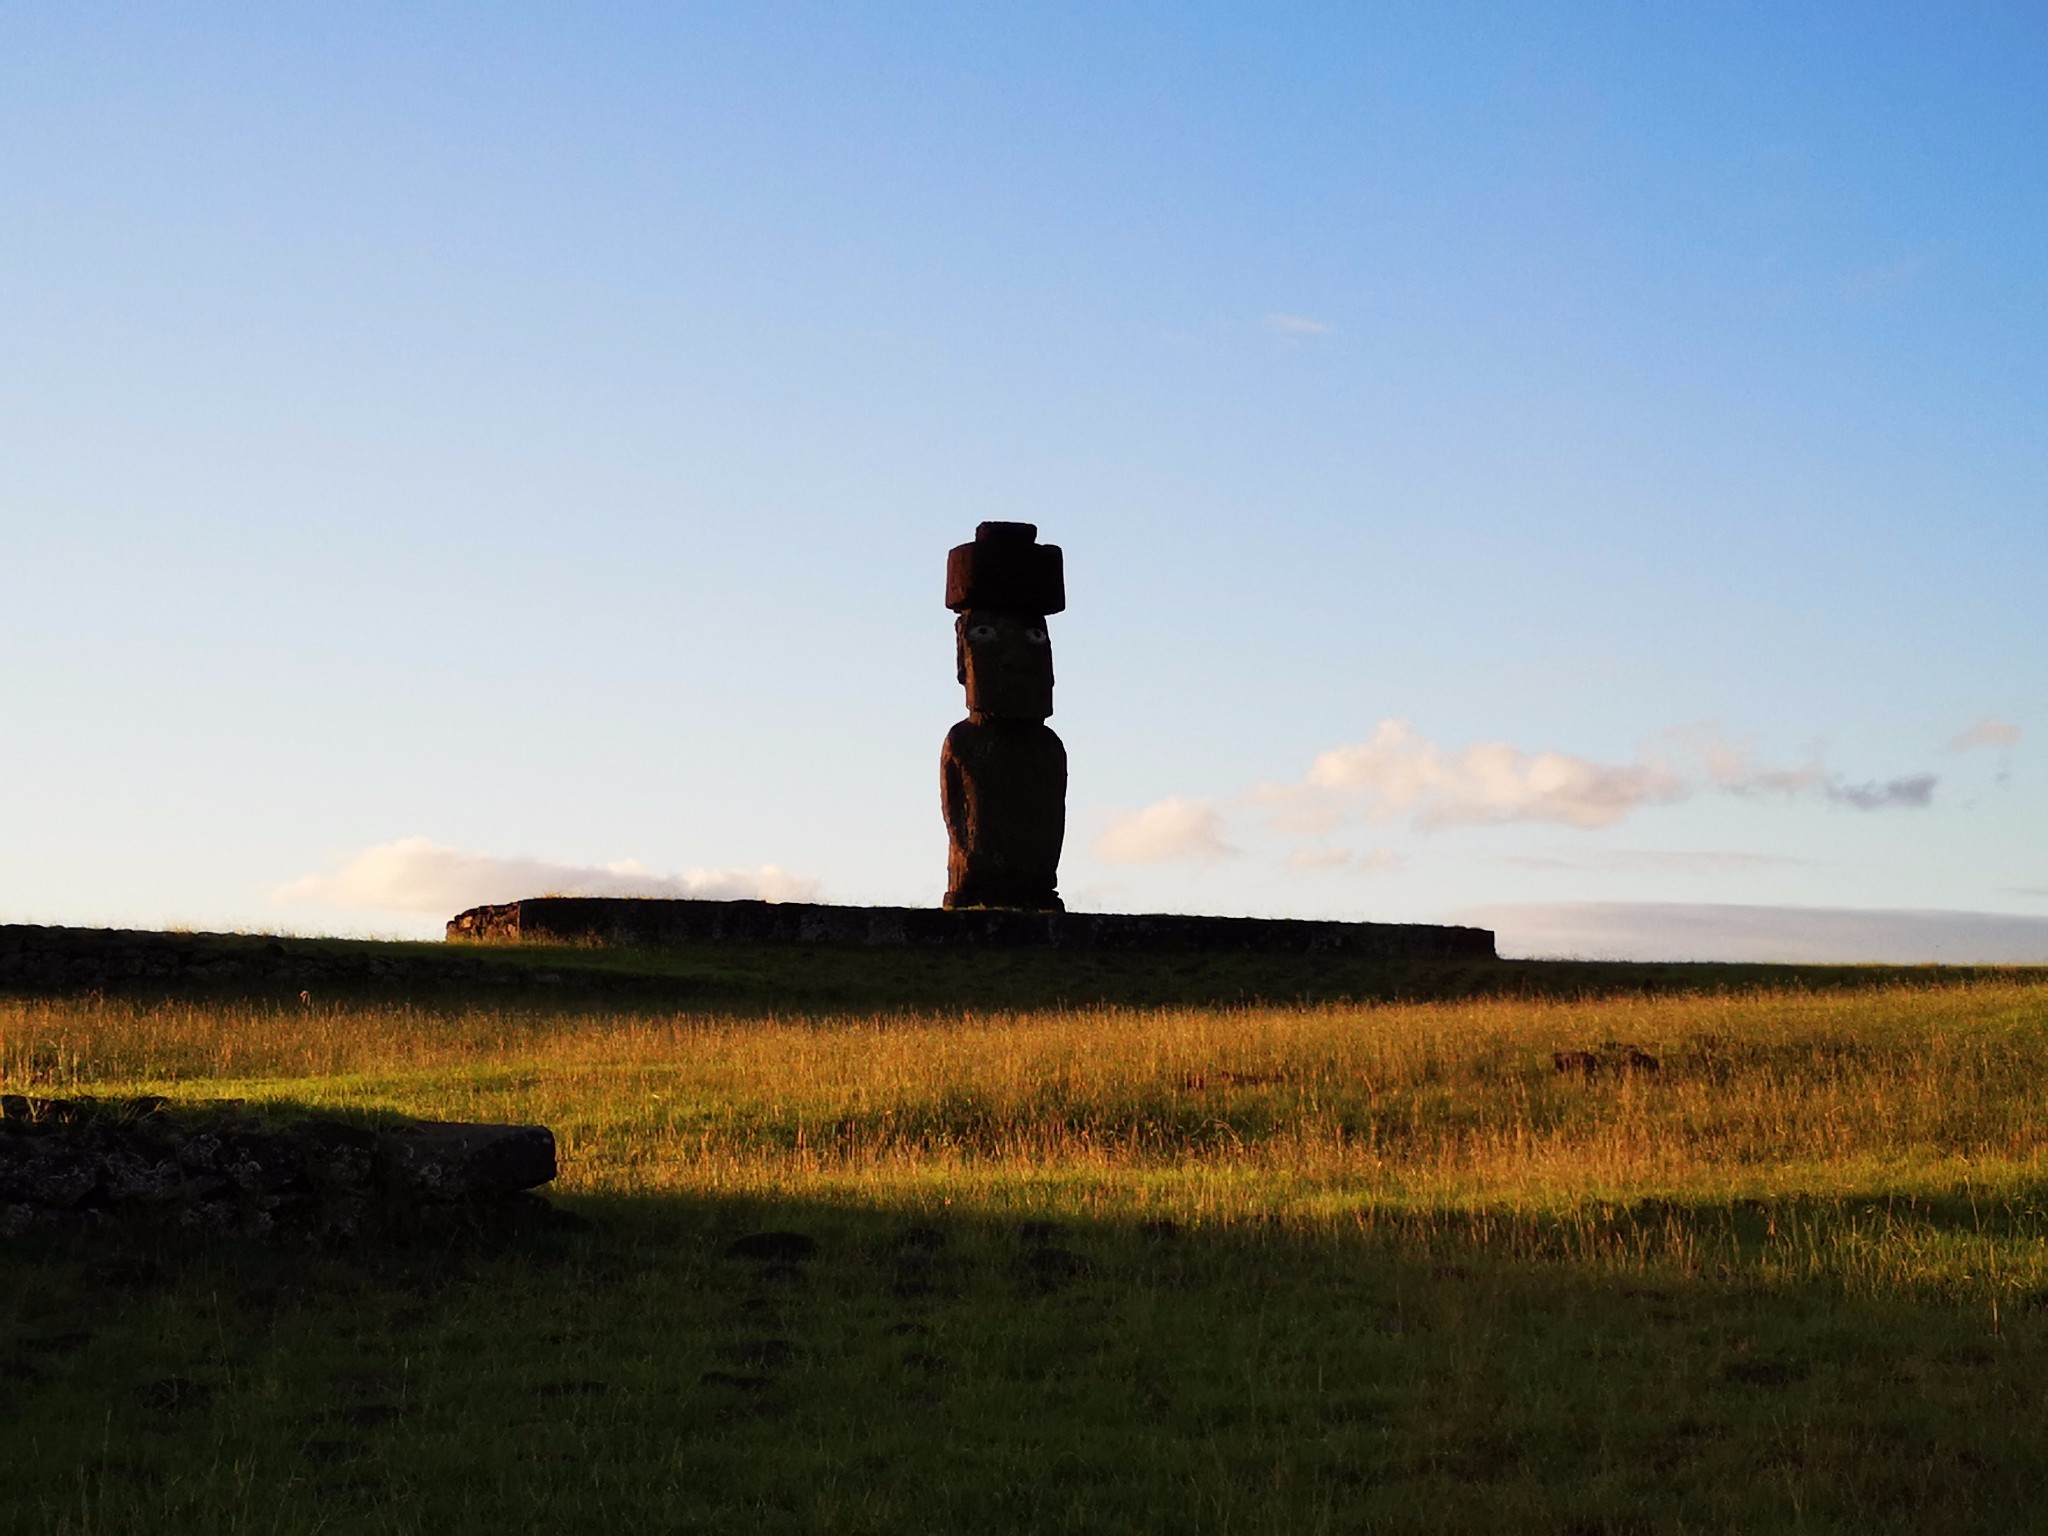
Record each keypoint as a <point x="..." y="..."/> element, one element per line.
<point x="224" y="1167"/>
<point x="450" y="1160"/>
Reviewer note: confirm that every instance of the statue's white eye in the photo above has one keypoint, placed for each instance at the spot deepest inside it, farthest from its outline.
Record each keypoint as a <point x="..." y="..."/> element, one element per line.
<point x="1035" y="636"/>
<point x="982" y="632"/>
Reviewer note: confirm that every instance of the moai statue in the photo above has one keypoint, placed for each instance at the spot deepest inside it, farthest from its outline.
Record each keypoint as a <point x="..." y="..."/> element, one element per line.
<point x="1003" y="772"/>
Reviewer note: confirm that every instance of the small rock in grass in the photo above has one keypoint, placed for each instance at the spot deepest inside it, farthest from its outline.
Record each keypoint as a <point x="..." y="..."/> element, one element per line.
<point x="368" y="1383"/>
<point x="572" y="1389"/>
<point x="912" y="1284"/>
<point x="774" y="1247"/>
<point x="1615" y="1056"/>
<point x="363" y="1415"/>
<point x="1050" y="1268"/>
<point x="351" y="1488"/>
<point x="1764" y="1373"/>
<point x="174" y="1394"/>
<point x="126" y="1274"/>
<point x="58" y="1343"/>
<point x="1606" y="1525"/>
<point x="327" y="1452"/>
<point x="735" y="1380"/>
<point x="762" y="1352"/>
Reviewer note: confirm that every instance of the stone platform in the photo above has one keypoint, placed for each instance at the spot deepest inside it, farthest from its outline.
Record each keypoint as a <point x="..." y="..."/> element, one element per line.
<point x="651" y="922"/>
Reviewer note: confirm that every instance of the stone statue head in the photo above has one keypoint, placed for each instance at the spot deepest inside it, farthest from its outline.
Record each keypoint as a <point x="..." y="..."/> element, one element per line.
<point x="1005" y="659"/>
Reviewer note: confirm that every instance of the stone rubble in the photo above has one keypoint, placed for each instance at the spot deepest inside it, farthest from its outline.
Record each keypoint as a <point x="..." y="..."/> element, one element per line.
<point x="221" y="1167"/>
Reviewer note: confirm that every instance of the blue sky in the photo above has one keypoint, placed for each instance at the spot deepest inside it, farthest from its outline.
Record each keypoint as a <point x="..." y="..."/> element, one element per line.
<point x="434" y="438"/>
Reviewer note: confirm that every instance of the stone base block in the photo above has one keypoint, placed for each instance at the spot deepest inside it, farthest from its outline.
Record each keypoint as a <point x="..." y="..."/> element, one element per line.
<point x="650" y="922"/>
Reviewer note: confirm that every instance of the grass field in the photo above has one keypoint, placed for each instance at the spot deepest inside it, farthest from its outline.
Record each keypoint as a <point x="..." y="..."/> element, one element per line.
<point x="1336" y="1266"/>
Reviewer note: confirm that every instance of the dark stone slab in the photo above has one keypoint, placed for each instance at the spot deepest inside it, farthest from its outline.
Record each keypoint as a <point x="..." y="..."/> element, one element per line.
<point x="650" y="922"/>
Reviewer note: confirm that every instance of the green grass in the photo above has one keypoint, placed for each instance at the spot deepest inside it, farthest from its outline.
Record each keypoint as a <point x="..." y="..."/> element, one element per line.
<point x="1340" y="1266"/>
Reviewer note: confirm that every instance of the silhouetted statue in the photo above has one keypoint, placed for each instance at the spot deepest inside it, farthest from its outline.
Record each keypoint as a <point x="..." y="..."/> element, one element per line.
<point x="1003" y="772"/>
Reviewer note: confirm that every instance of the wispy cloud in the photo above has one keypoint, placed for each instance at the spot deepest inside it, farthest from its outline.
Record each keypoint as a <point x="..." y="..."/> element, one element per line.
<point x="1731" y="766"/>
<point x="1988" y="732"/>
<point x="1172" y="829"/>
<point x="1886" y="278"/>
<point x="1370" y="861"/>
<point x="415" y="874"/>
<point x="1915" y="789"/>
<point x="1319" y="858"/>
<point x="1815" y="935"/>
<point x="1678" y="860"/>
<point x="1299" y="325"/>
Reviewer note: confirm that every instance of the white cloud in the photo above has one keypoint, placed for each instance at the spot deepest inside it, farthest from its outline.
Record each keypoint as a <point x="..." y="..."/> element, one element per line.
<point x="1372" y="861"/>
<point x="1319" y="858"/>
<point x="1398" y="771"/>
<point x="1172" y="829"/>
<point x="1102" y="896"/>
<point x="1988" y="732"/>
<point x="1682" y="860"/>
<point x="415" y="874"/>
<point x="1820" y="935"/>
<point x="1299" y="325"/>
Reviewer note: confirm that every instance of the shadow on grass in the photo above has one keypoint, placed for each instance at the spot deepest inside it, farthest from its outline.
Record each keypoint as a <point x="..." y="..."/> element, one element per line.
<point x="693" y="1361"/>
<point x="794" y="979"/>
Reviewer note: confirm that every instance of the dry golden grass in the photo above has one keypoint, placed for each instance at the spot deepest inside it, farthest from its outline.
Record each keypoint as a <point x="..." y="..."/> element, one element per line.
<point x="1198" y="1114"/>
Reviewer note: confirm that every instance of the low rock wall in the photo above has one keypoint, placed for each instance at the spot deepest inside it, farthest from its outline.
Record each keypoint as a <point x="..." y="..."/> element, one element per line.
<point x="221" y="1167"/>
